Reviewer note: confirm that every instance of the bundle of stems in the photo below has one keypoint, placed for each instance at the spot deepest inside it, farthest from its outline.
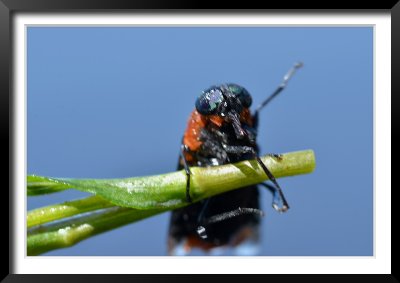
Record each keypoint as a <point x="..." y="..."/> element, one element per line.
<point x="117" y="202"/>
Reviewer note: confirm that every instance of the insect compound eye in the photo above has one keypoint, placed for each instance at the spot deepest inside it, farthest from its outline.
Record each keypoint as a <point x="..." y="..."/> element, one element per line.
<point x="208" y="102"/>
<point x="241" y="93"/>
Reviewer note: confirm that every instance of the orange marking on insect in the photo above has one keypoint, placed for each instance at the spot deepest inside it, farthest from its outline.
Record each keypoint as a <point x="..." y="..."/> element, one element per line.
<point x="191" y="138"/>
<point x="242" y="235"/>
<point x="193" y="241"/>
<point x="245" y="117"/>
<point x="217" y="120"/>
<point x="188" y="157"/>
<point x="198" y="121"/>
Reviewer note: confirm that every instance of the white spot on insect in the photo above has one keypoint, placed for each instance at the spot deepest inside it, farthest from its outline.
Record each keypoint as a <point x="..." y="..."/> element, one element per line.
<point x="214" y="161"/>
<point x="201" y="231"/>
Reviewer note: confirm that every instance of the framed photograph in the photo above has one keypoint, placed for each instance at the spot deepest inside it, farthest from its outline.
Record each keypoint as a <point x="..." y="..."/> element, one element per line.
<point x="100" y="100"/>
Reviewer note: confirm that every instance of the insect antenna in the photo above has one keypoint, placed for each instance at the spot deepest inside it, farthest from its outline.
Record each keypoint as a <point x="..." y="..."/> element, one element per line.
<point x="281" y="87"/>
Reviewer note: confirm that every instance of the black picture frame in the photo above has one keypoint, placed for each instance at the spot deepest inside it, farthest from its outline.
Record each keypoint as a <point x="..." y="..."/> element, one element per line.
<point x="9" y="8"/>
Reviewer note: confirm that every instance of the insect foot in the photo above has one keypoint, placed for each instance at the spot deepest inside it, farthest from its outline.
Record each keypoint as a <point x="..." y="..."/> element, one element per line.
<point x="201" y="231"/>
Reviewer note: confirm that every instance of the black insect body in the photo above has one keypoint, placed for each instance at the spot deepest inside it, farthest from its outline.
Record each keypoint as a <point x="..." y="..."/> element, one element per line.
<point x="221" y="130"/>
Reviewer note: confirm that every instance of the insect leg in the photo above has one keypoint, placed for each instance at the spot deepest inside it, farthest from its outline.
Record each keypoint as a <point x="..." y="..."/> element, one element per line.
<point x="201" y="230"/>
<point x="277" y="156"/>
<point x="277" y="201"/>
<point x="248" y="149"/>
<point x="285" y="206"/>
<point x="188" y="173"/>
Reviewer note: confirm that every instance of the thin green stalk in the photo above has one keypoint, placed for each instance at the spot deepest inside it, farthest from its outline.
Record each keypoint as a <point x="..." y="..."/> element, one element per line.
<point x="146" y="196"/>
<point x="168" y="190"/>
<point x="67" y="209"/>
<point x="66" y="233"/>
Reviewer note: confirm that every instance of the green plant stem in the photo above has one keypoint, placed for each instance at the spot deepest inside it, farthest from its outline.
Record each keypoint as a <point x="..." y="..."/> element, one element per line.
<point x="66" y="233"/>
<point x="67" y="209"/>
<point x="168" y="190"/>
<point x="205" y="182"/>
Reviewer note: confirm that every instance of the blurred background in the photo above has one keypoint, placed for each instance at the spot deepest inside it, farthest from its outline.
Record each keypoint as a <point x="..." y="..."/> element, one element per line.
<point x="114" y="103"/>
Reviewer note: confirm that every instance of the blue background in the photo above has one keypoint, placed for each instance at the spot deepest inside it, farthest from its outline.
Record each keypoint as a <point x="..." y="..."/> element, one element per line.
<point x="114" y="102"/>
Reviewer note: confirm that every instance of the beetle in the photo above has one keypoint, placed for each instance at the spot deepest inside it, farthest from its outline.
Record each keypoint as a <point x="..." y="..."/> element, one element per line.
<point x="221" y="129"/>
